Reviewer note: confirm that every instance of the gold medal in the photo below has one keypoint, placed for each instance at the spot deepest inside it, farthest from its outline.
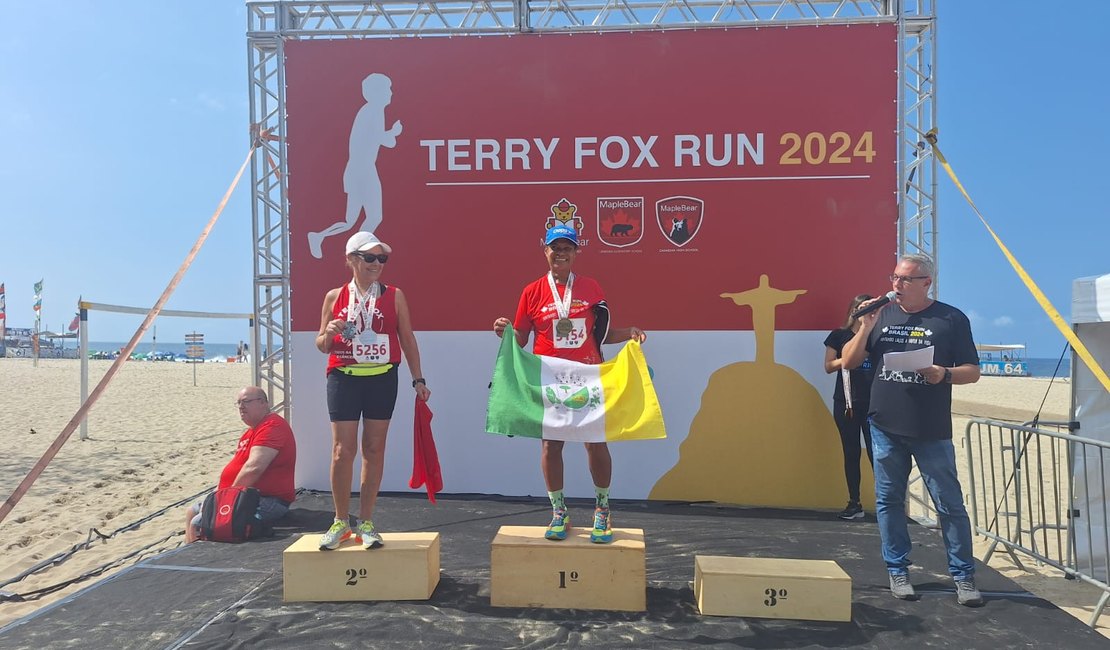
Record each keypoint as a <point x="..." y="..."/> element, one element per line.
<point x="563" y="327"/>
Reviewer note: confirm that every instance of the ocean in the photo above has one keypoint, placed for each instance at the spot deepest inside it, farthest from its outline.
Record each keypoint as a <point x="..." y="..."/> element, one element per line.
<point x="1046" y="367"/>
<point x="211" y="350"/>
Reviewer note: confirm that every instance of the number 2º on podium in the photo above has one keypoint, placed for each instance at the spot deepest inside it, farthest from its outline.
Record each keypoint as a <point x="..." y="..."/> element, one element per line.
<point x="353" y="575"/>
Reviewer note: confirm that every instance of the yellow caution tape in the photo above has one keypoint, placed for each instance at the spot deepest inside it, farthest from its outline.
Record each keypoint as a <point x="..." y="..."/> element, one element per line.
<point x="1053" y="314"/>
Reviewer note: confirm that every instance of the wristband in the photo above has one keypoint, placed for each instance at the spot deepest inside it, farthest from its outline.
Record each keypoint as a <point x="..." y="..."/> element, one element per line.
<point x="419" y="380"/>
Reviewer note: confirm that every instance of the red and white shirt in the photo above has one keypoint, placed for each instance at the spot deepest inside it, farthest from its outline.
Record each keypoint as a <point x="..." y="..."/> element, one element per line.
<point x="536" y="312"/>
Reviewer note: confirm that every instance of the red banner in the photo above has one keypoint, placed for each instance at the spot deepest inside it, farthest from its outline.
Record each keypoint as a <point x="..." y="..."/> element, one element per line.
<point x="691" y="162"/>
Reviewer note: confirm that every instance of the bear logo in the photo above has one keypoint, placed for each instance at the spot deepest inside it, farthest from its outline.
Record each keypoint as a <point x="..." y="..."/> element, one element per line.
<point x="679" y="218"/>
<point x="679" y="234"/>
<point x="620" y="230"/>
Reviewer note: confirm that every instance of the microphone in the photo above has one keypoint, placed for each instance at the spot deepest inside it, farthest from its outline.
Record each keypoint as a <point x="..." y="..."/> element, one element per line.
<point x="890" y="295"/>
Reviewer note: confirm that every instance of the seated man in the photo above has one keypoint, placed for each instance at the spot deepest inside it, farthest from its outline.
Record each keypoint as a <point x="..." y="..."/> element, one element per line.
<point x="264" y="459"/>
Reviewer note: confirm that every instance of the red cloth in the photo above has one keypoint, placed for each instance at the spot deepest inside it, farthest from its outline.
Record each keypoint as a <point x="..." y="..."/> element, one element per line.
<point x="425" y="460"/>
<point x="277" y="480"/>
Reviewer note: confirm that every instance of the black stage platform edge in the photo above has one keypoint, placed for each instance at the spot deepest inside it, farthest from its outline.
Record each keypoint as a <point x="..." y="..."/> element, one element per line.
<point x="230" y="596"/>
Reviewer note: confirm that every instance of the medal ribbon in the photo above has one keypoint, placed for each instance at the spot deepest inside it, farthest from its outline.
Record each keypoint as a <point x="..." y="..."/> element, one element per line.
<point x="360" y="307"/>
<point x="562" y="306"/>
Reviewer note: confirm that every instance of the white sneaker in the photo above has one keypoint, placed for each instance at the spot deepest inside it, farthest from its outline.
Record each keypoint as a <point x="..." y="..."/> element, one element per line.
<point x="370" y="537"/>
<point x="339" y="531"/>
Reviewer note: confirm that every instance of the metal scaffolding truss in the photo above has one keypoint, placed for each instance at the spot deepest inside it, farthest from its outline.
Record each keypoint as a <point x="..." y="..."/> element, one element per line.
<point x="917" y="208"/>
<point x="347" y="18"/>
<point x="270" y="219"/>
<point x="270" y="23"/>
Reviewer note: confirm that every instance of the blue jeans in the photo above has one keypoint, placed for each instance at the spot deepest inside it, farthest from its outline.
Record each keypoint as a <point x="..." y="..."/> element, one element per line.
<point x="936" y="460"/>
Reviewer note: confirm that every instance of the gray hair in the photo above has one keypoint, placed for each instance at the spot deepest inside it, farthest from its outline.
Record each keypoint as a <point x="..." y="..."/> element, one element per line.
<point x="924" y="263"/>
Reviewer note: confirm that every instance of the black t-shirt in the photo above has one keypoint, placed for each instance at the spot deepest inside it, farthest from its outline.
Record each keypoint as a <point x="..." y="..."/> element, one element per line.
<point x="860" y="378"/>
<point x="902" y="402"/>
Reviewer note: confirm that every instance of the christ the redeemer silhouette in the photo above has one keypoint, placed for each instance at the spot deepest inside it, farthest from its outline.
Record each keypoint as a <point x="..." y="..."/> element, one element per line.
<point x="763" y="300"/>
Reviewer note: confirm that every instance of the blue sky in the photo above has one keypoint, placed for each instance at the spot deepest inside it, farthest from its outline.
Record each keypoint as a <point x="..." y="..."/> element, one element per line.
<point x="123" y="122"/>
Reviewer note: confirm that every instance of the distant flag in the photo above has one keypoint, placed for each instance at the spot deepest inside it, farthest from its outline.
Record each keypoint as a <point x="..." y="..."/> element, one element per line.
<point x="76" y="322"/>
<point x="545" y="397"/>
<point x="38" y="299"/>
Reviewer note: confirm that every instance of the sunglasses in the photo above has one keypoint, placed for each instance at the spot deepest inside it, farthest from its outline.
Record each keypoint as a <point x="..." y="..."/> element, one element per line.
<point x="370" y="257"/>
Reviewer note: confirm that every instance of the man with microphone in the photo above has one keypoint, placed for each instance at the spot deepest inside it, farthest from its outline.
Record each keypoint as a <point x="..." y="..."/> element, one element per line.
<point x="911" y="417"/>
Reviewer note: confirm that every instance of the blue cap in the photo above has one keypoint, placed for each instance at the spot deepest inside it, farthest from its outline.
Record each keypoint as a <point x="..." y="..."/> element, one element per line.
<point x="561" y="232"/>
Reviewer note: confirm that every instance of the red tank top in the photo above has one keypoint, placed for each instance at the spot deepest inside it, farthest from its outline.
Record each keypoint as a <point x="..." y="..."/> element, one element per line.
<point x="377" y="344"/>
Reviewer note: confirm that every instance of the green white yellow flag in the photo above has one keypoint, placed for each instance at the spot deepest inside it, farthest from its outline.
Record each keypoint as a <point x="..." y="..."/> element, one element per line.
<point x="536" y="396"/>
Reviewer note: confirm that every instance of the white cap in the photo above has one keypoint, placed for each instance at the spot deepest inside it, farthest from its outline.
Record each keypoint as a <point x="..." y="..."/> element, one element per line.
<point x="362" y="241"/>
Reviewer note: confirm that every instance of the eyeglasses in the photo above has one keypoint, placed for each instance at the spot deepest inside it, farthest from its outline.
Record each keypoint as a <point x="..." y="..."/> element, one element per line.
<point x="370" y="257"/>
<point x="906" y="279"/>
<point x="240" y="402"/>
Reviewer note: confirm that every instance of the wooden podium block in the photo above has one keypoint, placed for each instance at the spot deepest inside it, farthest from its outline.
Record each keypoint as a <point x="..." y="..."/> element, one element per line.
<point x="527" y="570"/>
<point x="406" y="567"/>
<point x="814" y="590"/>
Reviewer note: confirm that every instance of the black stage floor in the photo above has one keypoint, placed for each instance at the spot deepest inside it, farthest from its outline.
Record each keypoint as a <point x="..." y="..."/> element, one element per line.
<point x="230" y="596"/>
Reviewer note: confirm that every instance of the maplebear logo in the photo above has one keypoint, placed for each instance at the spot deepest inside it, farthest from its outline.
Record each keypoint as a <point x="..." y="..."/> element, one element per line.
<point x="679" y="218"/>
<point x="620" y="220"/>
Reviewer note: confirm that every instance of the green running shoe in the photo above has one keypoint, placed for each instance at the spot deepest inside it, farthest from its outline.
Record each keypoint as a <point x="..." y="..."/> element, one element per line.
<point x="560" y="524"/>
<point x="370" y="537"/>
<point x="603" y="530"/>
<point x="339" y="531"/>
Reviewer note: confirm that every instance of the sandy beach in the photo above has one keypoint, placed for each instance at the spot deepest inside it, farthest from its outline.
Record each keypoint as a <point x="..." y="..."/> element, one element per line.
<point x="156" y="439"/>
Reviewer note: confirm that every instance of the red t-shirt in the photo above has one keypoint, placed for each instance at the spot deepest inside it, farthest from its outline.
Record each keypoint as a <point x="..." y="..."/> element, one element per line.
<point x="536" y="312"/>
<point x="377" y="344"/>
<point x="277" y="480"/>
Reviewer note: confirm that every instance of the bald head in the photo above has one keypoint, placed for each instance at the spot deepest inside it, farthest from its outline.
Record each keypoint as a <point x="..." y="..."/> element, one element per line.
<point x="252" y="392"/>
<point x="253" y="405"/>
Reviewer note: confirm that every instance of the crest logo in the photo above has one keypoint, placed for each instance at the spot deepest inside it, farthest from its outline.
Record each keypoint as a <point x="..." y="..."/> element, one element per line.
<point x="564" y="213"/>
<point x="620" y="220"/>
<point x="679" y="217"/>
<point x="571" y="392"/>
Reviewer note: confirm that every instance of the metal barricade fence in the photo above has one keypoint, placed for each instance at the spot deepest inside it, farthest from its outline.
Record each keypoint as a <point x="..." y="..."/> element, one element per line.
<point x="1023" y="498"/>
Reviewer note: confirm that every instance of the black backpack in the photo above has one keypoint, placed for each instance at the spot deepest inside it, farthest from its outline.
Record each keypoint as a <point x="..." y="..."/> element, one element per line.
<point x="228" y="515"/>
